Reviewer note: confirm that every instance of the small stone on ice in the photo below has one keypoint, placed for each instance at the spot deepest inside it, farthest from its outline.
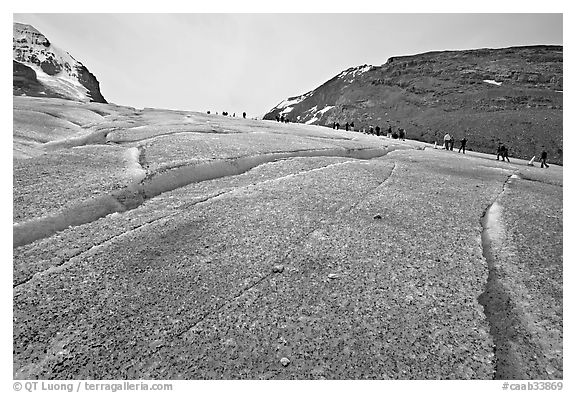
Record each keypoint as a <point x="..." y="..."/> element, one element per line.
<point x="278" y="269"/>
<point x="285" y="361"/>
<point x="333" y="276"/>
<point x="377" y="217"/>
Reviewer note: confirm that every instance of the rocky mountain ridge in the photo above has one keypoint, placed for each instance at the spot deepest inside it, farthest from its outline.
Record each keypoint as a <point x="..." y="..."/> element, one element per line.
<point x="41" y="69"/>
<point x="510" y="95"/>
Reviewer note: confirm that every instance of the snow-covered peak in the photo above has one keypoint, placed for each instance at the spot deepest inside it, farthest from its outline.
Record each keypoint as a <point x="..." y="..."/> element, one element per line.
<point x="32" y="47"/>
<point x="26" y="32"/>
<point x="54" y="67"/>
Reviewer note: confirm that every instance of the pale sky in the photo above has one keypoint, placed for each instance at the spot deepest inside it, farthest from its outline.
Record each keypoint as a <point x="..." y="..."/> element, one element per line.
<point x="251" y="62"/>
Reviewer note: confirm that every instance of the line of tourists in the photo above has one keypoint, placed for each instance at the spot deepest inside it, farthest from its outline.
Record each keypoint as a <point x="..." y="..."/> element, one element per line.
<point x="226" y="114"/>
<point x="449" y="143"/>
<point x="371" y="130"/>
<point x="282" y="119"/>
<point x="502" y="151"/>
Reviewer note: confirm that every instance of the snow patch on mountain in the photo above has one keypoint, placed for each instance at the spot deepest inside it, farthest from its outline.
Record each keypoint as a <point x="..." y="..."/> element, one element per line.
<point x="62" y="83"/>
<point x="325" y="109"/>
<point x="317" y="114"/>
<point x="293" y="101"/>
<point x="355" y="71"/>
<point x="312" y="120"/>
<point x="492" y="82"/>
<point x="289" y="102"/>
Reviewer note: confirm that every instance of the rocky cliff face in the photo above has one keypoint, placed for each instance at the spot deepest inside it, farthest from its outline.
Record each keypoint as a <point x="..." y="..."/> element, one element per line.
<point x="510" y="95"/>
<point x="44" y="70"/>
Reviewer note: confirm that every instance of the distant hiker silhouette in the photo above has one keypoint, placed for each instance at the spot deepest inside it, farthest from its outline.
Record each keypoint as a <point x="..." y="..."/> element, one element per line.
<point x="277" y="118"/>
<point x="352" y="126"/>
<point x="371" y="130"/>
<point x="389" y="133"/>
<point x="401" y="133"/>
<point x="447" y="139"/>
<point x="502" y="152"/>
<point x="282" y="119"/>
<point x="244" y="115"/>
<point x="451" y="143"/>
<point x="377" y="130"/>
<point x="347" y="126"/>
<point x="337" y="126"/>
<point x="463" y="145"/>
<point x="543" y="157"/>
<point x="505" y="153"/>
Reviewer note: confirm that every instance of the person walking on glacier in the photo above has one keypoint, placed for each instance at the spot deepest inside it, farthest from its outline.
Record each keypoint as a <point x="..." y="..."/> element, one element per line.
<point x="447" y="139"/>
<point x="463" y="145"/>
<point x="505" y="153"/>
<point x="502" y="152"/>
<point x="543" y="157"/>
